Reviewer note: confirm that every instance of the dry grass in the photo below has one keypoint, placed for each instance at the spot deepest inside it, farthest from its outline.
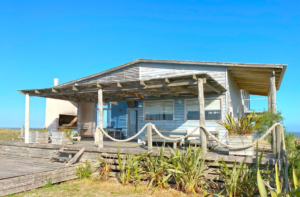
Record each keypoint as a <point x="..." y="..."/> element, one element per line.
<point x="9" y="134"/>
<point x="94" y="188"/>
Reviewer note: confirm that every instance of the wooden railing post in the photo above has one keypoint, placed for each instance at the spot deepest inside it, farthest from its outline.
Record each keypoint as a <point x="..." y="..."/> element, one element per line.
<point x="278" y="131"/>
<point x="273" y="106"/>
<point x="27" y="117"/>
<point x="202" y="113"/>
<point x="100" y="118"/>
<point x="149" y="136"/>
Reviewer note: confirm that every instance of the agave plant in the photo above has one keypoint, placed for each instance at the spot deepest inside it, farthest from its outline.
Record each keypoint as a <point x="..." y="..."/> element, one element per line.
<point x="243" y="126"/>
<point x="188" y="170"/>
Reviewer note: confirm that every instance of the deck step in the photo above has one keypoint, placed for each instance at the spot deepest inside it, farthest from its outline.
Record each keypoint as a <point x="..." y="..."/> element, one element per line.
<point x="68" y="152"/>
<point x="61" y="158"/>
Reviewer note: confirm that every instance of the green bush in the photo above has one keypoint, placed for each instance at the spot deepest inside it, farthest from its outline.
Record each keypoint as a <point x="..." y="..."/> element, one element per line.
<point x="84" y="171"/>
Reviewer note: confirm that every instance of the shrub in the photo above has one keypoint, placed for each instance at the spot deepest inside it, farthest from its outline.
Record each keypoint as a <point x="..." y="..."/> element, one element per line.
<point x="130" y="168"/>
<point x="243" y="126"/>
<point x="188" y="170"/>
<point x="84" y="171"/>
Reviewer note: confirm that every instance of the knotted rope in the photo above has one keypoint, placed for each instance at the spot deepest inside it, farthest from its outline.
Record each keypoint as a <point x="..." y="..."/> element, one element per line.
<point x="194" y="130"/>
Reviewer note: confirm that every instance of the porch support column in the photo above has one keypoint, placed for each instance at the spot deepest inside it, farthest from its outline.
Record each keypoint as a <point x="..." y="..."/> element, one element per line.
<point x="273" y="106"/>
<point x="100" y="119"/>
<point x="79" y="118"/>
<point x="202" y="113"/>
<point x="27" y="115"/>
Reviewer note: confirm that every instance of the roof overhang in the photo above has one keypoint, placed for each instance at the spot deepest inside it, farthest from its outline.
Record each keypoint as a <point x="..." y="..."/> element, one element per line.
<point x="262" y="70"/>
<point x="180" y="86"/>
<point x="256" y="80"/>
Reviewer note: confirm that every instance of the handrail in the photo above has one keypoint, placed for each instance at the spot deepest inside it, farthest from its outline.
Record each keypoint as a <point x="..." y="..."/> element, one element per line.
<point x="194" y="130"/>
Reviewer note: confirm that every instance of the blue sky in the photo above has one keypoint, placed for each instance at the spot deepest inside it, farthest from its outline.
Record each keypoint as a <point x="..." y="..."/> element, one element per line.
<point x="41" y="40"/>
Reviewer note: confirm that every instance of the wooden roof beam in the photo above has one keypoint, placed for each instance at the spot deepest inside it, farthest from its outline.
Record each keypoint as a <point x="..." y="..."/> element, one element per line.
<point x="119" y="85"/>
<point x="55" y="90"/>
<point x="142" y="83"/>
<point x="213" y="88"/>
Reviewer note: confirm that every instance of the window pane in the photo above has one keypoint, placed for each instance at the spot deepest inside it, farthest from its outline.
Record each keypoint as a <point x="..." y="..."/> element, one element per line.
<point x="159" y="110"/>
<point x="212" y="109"/>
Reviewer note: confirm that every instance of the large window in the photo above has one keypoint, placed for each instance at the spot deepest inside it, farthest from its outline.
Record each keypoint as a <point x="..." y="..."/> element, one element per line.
<point x="212" y="109"/>
<point x="158" y="110"/>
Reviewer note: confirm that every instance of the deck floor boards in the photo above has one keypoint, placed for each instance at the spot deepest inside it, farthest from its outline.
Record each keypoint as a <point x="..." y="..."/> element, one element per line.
<point x="13" y="166"/>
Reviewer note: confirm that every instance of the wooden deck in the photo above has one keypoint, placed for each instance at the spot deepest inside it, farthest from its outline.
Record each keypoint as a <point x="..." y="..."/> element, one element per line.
<point x="25" y="166"/>
<point x="18" y="174"/>
<point x="46" y="150"/>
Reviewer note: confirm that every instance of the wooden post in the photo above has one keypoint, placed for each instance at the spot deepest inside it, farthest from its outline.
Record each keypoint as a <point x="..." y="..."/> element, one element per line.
<point x="27" y="117"/>
<point x="202" y="114"/>
<point x="278" y="142"/>
<point x="273" y="105"/>
<point x="22" y="130"/>
<point x="100" y="117"/>
<point x="79" y="118"/>
<point x="269" y="101"/>
<point x="149" y="136"/>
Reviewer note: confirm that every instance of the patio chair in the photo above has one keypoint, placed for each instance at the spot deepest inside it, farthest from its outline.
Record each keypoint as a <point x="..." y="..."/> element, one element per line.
<point x="50" y="136"/>
<point x="21" y="137"/>
<point x="75" y="135"/>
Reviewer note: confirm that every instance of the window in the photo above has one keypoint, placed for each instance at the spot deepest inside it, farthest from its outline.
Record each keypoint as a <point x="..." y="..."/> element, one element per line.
<point x="158" y="110"/>
<point x="212" y="109"/>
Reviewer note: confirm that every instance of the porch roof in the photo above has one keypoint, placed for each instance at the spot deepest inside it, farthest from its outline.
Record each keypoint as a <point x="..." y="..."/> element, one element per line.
<point x="179" y="86"/>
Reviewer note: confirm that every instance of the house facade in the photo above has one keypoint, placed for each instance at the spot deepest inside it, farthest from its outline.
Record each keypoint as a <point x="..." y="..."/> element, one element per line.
<point x="163" y="92"/>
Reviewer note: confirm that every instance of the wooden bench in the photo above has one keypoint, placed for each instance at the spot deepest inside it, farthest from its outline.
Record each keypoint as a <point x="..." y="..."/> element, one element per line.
<point x="169" y="134"/>
<point x="211" y="143"/>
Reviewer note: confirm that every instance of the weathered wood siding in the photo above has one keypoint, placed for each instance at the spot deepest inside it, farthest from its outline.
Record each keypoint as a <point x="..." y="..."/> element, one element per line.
<point x="234" y="97"/>
<point x="130" y="73"/>
<point x="179" y="121"/>
<point x="152" y="71"/>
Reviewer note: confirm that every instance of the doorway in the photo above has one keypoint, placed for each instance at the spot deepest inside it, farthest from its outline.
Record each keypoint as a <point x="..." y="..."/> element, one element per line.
<point x="132" y="122"/>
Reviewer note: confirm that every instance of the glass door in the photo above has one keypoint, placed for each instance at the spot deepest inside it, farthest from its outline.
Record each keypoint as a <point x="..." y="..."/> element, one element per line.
<point x="132" y="122"/>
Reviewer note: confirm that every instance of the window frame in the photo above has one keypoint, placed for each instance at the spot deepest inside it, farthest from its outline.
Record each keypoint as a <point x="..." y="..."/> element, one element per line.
<point x="149" y="101"/>
<point x="215" y="98"/>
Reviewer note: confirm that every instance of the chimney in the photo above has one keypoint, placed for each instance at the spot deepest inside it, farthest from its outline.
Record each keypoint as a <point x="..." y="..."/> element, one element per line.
<point x="55" y="82"/>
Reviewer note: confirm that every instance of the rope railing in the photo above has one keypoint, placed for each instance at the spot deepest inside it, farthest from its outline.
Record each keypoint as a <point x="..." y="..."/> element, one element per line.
<point x="152" y="126"/>
<point x="194" y="130"/>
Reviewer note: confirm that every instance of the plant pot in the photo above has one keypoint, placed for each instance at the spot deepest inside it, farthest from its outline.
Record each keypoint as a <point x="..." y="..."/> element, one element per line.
<point x="241" y="140"/>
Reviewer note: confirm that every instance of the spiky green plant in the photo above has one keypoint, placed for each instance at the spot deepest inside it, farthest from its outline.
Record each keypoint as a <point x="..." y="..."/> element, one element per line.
<point x="104" y="169"/>
<point x="244" y="125"/>
<point x="188" y="170"/>
<point x="233" y="178"/>
<point x="277" y="192"/>
<point x="130" y="168"/>
<point x="156" y="169"/>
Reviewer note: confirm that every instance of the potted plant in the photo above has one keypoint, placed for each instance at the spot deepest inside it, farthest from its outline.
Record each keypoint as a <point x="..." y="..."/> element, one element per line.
<point x="241" y="133"/>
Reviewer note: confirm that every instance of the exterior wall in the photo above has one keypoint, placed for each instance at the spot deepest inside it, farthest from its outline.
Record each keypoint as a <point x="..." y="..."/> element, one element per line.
<point x="179" y="121"/>
<point x="54" y="107"/>
<point x="234" y="97"/>
<point x="88" y="119"/>
<point x="152" y="71"/>
<point x="119" y="115"/>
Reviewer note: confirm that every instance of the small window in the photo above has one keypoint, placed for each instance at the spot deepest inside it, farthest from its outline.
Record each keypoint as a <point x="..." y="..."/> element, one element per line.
<point x="158" y="110"/>
<point x="212" y="109"/>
